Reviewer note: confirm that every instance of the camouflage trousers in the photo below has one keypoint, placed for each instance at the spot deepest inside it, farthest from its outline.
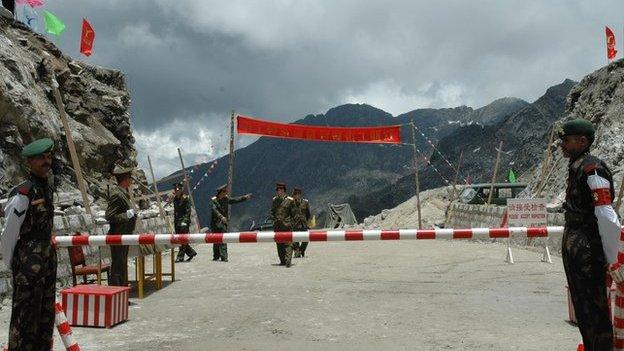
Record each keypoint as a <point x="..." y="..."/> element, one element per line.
<point x="34" y="294"/>
<point x="119" y="266"/>
<point x="219" y="251"/>
<point x="586" y="270"/>
<point x="285" y="252"/>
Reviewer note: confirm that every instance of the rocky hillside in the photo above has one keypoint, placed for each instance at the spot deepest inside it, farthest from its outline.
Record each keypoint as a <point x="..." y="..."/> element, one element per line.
<point x="524" y="134"/>
<point x="96" y="99"/>
<point x="599" y="97"/>
<point x="332" y="172"/>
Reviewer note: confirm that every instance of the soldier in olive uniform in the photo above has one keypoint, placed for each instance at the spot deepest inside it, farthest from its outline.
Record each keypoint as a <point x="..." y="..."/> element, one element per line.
<point x="26" y="248"/>
<point x="182" y="220"/>
<point x="220" y="218"/>
<point x="122" y="219"/>
<point x="300" y="220"/>
<point x="282" y="213"/>
<point x="591" y="234"/>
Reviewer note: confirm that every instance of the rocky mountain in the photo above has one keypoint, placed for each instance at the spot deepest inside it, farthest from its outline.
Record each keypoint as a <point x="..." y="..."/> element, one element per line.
<point x="96" y="100"/>
<point x="331" y="172"/>
<point x="524" y="134"/>
<point x="599" y="97"/>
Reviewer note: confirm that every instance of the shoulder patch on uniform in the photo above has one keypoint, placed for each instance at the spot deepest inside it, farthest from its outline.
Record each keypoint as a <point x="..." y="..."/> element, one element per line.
<point x="213" y="198"/>
<point x="23" y="189"/>
<point x="289" y="198"/>
<point x="590" y="167"/>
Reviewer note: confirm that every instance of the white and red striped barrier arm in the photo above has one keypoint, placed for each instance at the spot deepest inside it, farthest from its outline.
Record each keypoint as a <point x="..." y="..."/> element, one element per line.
<point x="64" y="329"/>
<point x="303" y="236"/>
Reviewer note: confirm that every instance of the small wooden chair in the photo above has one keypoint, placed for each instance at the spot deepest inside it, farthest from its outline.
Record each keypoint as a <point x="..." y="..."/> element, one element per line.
<point x="79" y="266"/>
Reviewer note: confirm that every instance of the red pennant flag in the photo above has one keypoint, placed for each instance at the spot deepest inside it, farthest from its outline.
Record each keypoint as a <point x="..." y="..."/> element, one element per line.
<point x="611" y="52"/>
<point x="87" y="38"/>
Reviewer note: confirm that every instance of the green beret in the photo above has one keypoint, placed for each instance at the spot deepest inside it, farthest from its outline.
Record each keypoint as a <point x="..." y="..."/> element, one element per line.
<point x="119" y="170"/>
<point x="577" y="126"/>
<point x="280" y="186"/>
<point x="38" y="147"/>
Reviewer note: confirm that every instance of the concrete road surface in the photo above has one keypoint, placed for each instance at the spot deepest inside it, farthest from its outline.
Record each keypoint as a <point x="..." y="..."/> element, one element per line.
<point x="391" y="295"/>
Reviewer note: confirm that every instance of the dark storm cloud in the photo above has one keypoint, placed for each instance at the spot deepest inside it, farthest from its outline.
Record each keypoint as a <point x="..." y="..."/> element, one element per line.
<point x="187" y="63"/>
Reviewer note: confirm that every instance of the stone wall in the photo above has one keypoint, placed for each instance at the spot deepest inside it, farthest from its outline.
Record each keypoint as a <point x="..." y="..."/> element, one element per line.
<point x="483" y="216"/>
<point x="69" y="224"/>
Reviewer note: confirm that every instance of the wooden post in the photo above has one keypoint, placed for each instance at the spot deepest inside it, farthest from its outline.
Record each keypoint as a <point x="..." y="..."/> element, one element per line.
<point x="542" y="180"/>
<point x="188" y="188"/>
<point x="163" y="215"/>
<point x="140" y="260"/>
<point x="498" y="155"/>
<point x="415" y="161"/>
<point x="619" y="197"/>
<point x="70" y="144"/>
<point x="231" y="163"/>
<point x="461" y="157"/>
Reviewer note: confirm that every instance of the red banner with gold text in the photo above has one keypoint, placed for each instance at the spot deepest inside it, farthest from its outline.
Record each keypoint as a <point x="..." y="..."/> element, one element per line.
<point x="383" y="135"/>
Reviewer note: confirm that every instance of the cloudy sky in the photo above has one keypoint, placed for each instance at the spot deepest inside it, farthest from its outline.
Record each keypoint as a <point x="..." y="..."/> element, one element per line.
<point x="188" y="63"/>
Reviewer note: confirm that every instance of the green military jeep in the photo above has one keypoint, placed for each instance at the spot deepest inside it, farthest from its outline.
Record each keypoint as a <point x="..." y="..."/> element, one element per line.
<point x="478" y="193"/>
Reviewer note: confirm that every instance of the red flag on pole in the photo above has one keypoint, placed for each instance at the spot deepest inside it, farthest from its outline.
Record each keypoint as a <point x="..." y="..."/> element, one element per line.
<point x="611" y="52"/>
<point x="87" y="38"/>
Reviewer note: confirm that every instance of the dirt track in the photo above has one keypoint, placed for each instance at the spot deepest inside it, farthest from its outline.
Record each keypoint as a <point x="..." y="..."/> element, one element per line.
<point x="425" y="295"/>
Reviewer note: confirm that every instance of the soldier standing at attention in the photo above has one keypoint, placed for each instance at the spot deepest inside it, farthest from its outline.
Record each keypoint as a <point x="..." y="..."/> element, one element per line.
<point x="122" y="219"/>
<point x="220" y="218"/>
<point x="282" y="213"/>
<point x="591" y="235"/>
<point x="182" y="220"/>
<point x="27" y="249"/>
<point x="300" y="220"/>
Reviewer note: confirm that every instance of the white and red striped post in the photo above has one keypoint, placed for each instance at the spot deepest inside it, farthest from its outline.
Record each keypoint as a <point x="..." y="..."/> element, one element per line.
<point x="303" y="236"/>
<point x="64" y="329"/>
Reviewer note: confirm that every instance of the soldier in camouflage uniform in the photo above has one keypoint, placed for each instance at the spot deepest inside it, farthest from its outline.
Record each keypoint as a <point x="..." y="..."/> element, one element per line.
<point x="26" y="248"/>
<point x="282" y="213"/>
<point x="591" y="234"/>
<point x="182" y="220"/>
<point x="122" y="219"/>
<point x="220" y="218"/>
<point x="300" y="220"/>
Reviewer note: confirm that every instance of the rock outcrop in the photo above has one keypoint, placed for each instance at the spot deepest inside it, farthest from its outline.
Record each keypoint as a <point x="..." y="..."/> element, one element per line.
<point x="96" y="101"/>
<point x="599" y="97"/>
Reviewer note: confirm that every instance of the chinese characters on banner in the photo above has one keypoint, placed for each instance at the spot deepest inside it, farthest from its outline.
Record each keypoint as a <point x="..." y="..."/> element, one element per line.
<point x="527" y="212"/>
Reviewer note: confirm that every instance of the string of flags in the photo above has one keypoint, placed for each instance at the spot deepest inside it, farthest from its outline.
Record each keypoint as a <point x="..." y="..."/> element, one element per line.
<point x="205" y="175"/>
<point x="54" y="25"/>
<point x="439" y="153"/>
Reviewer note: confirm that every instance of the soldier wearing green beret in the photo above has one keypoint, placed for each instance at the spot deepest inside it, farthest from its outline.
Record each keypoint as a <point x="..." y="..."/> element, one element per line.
<point x="591" y="234"/>
<point x="300" y="221"/>
<point x="282" y="214"/>
<point x="122" y="219"/>
<point x="182" y="220"/>
<point x="26" y="248"/>
<point x="220" y="218"/>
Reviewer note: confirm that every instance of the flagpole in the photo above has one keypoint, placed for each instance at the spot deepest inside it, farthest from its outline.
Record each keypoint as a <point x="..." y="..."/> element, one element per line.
<point x="498" y="155"/>
<point x="416" y="178"/>
<point x="231" y="164"/>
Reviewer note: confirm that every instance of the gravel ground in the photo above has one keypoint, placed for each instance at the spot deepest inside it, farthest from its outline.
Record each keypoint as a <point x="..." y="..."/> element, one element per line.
<point x="425" y="295"/>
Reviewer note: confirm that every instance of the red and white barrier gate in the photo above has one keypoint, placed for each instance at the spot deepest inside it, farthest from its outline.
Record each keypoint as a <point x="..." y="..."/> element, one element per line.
<point x="303" y="236"/>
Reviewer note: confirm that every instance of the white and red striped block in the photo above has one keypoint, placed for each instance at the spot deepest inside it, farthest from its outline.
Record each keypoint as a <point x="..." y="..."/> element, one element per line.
<point x="303" y="236"/>
<point x="64" y="329"/>
<point x="96" y="305"/>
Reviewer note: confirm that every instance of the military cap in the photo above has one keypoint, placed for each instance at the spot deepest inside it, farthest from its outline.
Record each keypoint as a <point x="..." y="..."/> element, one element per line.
<point x="280" y="186"/>
<point x="296" y="190"/>
<point x="577" y="126"/>
<point x="222" y="188"/>
<point x="120" y="169"/>
<point x="38" y="147"/>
